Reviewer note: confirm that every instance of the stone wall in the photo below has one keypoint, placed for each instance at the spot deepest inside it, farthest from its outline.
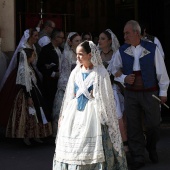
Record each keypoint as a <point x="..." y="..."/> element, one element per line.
<point x="7" y="25"/>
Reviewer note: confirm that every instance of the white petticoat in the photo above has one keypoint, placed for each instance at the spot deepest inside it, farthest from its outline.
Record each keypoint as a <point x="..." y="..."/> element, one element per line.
<point x="79" y="139"/>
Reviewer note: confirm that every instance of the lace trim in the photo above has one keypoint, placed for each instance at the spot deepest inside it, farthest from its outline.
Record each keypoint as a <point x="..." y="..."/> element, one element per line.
<point x="103" y="95"/>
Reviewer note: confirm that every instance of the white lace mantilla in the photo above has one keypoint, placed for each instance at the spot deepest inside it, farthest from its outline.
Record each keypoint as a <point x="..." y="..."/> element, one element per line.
<point x="25" y="73"/>
<point x="103" y="105"/>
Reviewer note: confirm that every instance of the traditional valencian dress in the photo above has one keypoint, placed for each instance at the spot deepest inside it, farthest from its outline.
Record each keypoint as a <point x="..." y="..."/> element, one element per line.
<point x="25" y="121"/>
<point x="88" y="137"/>
<point x="119" y="98"/>
<point x="8" y="82"/>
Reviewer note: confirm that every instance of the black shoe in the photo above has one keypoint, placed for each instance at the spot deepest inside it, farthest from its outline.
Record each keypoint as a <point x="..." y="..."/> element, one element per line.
<point x="153" y="156"/>
<point x="137" y="165"/>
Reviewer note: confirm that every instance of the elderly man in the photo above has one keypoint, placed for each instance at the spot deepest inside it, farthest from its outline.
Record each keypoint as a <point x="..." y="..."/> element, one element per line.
<point x="144" y="75"/>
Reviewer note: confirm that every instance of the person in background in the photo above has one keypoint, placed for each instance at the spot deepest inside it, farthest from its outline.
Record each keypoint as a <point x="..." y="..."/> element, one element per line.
<point x="67" y="65"/>
<point x="96" y="40"/>
<point x="8" y="82"/>
<point x="86" y="36"/>
<point x="151" y="38"/>
<point x="88" y="134"/>
<point x="144" y="75"/>
<point x="49" y="63"/>
<point x="28" y="40"/>
<point x="44" y="35"/>
<point x="108" y="45"/>
<point x="27" y="117"/>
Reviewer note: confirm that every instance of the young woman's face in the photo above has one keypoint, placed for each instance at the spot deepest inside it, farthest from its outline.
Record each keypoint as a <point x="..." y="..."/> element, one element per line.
<point x="82" y="56"/>
<point x="34" y="37"/>
<point x="76" y="41"/>
<point x="87" y="37"/>
<point x="104" y="41"/>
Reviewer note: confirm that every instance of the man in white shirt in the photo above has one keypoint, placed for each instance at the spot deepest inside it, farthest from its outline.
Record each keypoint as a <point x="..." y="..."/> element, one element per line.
<point x="154" y="39"/>
<point x="144" y="75"/>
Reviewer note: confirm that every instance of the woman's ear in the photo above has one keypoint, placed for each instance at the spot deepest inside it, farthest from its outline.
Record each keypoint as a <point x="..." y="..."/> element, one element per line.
<point x="90" y="56"/>
<point x="69" y="42"/>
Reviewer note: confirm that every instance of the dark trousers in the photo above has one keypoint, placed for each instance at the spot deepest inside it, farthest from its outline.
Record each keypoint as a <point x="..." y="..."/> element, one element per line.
<point x="135" y="104"/>
<point x="49" y="91"/>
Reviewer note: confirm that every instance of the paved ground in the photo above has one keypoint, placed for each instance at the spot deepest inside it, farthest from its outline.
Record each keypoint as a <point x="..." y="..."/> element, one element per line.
<point x="163" y="152"/>
<point x="14" y="155"/>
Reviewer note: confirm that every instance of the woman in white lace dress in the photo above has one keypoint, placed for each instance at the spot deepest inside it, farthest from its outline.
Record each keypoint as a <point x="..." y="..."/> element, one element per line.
<point x="7" y="84"/>
<point x="88" y="136"/>
<point x="68" y="63"/>
<point x="109" y="44"/>
<point x="28" y="40"/>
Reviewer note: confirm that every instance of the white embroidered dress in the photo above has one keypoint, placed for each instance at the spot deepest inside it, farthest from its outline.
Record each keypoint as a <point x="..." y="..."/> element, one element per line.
<point x="79" y="138"/>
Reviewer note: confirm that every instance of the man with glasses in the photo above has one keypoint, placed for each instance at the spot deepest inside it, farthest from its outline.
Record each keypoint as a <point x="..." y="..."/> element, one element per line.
<point x="44" y="35"/>
<point x="49" y="63"/>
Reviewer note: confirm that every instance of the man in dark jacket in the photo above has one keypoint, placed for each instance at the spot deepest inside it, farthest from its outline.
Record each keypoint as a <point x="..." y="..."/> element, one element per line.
<point x="48" y="64"/>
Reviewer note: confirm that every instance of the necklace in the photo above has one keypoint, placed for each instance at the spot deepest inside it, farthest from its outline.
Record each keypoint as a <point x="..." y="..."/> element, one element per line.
<point x="107" y="52"/>
<point x="106" y="57"/>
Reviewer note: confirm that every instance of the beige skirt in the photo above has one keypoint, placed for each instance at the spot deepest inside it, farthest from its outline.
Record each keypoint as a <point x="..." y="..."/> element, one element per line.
<point x="21" y="124"/>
